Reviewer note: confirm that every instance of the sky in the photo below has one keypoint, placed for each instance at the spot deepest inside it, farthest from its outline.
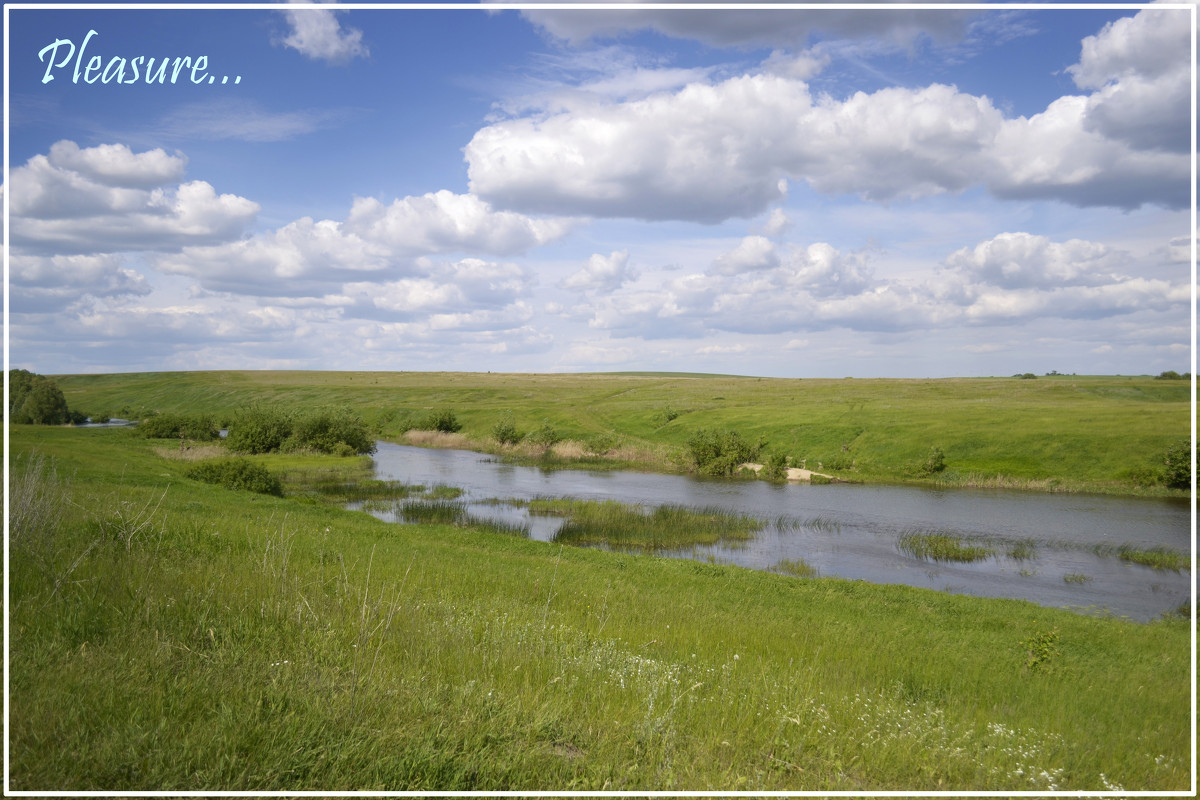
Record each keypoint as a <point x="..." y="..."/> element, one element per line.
<point x="788" y="192"/>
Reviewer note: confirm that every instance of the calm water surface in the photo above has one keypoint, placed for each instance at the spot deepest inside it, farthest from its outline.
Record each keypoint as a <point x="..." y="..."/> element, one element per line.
<point x="851" y="531"/>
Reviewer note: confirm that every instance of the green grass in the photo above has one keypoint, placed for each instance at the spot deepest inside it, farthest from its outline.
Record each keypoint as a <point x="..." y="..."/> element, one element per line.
<point x="1066" y="433"/>
<point x="223" y="640"/>
<point x="632" y="527"/>
<point x="1156" y="557"/>
<point x="797" y="567"/>
<point x="941" y="547"/>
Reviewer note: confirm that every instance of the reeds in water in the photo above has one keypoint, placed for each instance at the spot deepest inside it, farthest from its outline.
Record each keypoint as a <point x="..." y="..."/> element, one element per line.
<point x="940" y="547"/>
<point x="633" y="527"/>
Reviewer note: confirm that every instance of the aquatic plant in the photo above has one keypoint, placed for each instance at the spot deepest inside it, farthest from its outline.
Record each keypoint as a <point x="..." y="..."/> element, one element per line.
<point x="634" y="527"/>
<point x="940" y="547"/>
<point x="1156" y="557"/>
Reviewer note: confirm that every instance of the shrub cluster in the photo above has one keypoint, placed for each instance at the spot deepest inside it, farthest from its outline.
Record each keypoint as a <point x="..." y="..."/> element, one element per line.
<point x="197" y="427"/>
<point x="237" y="473"/>
<point x="257" y="429"/>
<point x="720" y="452"/>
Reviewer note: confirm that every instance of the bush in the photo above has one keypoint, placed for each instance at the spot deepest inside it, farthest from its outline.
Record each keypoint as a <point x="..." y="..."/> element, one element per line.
<point x="237" y="473"/>
<point x="1178" y="462"/>
<point x="330" y="430"/>
<point x="505" y="431"/>
<point x="442" y="419"/>
<point x="776" y="467"/>
<point x="255" y="429"/>
<point x="545" y="436"/>
<point x="197" y="427"/>
<point x="720" y="452"/>
<point x="935" y="462"/>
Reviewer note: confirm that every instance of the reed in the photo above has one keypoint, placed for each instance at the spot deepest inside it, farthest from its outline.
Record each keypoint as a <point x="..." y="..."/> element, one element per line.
<point x="633" y="527"/>
<point x="1156" y="557"/>
<point x="940" y="547"/>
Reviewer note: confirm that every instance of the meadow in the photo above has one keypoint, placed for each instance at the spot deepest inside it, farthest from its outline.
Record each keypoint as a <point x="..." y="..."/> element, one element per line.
<point x="1055" y="433"/>
<point x="171" y="634"/>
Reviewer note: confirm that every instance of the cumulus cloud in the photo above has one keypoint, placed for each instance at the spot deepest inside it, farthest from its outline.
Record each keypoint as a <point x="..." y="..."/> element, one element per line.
<point x="42" y="284"/>
<point x="441" y="221"/>
<point x="753" y="254"/>
<point x="1025" y="261"/>
<point x="602" y="273"/>
<point x="106" y="199"/>
<point x="1011" y="278"/>
<point x="710" y="151"/>
<point x="317" y="34"/>
<point x="304" y="257"/>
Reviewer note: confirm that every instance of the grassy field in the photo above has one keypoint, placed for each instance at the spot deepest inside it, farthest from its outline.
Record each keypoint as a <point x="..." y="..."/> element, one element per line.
<point x="1061" y="433"/>
<point x="168" y="634"/>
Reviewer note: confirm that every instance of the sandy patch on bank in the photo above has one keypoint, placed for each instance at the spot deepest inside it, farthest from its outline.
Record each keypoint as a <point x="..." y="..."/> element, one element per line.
<point x="793" y="473"/>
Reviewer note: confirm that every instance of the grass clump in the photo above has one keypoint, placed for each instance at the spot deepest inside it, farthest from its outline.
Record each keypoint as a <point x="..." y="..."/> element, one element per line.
<point x="632" y="527"/>
<point x="941" y="547"/>
<point x="237" y="473"/>
<point x="797" y="567"/>
<point x="1156" y="557"/>
<point x="1076" y="577"/>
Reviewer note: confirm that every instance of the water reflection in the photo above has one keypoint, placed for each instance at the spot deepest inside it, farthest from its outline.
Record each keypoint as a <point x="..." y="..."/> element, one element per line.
<point x="851" y="531"/>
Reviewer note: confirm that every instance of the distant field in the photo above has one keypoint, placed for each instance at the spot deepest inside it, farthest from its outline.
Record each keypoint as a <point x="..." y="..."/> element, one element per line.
<point x="1090" y="433"/>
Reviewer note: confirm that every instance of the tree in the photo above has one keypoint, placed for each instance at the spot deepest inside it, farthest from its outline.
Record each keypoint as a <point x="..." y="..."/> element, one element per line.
<point x="35" y="399"/>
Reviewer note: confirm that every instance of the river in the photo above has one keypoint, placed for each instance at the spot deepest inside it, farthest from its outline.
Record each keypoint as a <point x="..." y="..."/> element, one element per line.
<point x="852" y="530"/>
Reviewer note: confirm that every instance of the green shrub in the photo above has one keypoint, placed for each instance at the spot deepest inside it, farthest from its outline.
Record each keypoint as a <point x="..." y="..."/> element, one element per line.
<point x="603" y="443"/>
<point x="505" y="431"/>
<point x="934" y="463"/>
<point x="442" y="419"/>
<point x="1178" y="462"/>
<point x="720" y="452"/>
<point x="256" y="429"/>
<point x="545" y="436"/>
<point x="330" y="430"/>
<point x="237" y="473"/>
<point x="197" y="427"/>
<point x="776" y="467"/>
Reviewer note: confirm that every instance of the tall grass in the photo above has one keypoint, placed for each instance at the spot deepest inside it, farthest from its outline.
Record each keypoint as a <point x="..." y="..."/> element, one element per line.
<point x="1155" y="557"/>
<point x="940" y="547"/>
<point x="268" y="644"/>
<point x="632" y="527"/>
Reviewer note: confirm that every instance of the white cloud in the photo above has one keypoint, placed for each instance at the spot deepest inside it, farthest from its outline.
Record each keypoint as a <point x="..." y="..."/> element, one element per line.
<point x="753" y="254"/>
<point x="1015" y="278"/>
<point x="117" y="165"/>
<point x="317" y="34"/>
<point x="1022" y="260"/>
<point x="777" y="224"/>
<point x="602" y="273"/>
<point x="40" y="284"/>
<point x="303" y="257"/>
<point x="711" y="151"/>
<point x="106" y="199"/>
<point x="443" y="221"/>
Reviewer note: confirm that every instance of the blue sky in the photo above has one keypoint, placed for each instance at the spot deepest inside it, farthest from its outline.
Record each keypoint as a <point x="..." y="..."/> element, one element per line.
<point x="800" y="193"/>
